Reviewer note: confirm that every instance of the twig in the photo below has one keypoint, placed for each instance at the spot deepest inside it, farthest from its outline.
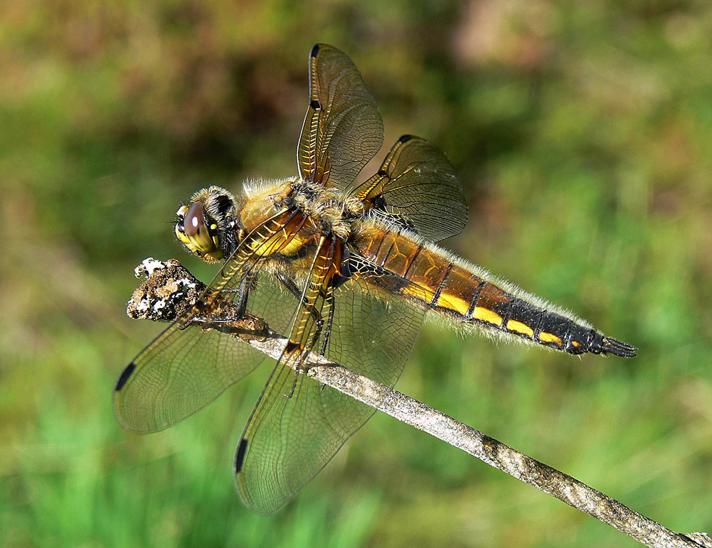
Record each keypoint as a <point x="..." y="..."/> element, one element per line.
<point x="170" y="289"/>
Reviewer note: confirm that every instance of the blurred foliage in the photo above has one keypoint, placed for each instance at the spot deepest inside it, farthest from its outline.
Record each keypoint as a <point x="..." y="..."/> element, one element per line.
<point x="582" y="132"/>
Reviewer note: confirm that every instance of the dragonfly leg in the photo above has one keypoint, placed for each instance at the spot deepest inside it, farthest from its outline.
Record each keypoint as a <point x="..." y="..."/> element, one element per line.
<point x="330" y="302"/>
<point x="319" y="326"/>
<point x="243" y="293"/>
<point x="294" y="290"/>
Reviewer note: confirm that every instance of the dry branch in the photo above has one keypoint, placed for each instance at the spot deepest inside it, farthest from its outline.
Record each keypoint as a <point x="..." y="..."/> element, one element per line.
<point x="170" y="289"/>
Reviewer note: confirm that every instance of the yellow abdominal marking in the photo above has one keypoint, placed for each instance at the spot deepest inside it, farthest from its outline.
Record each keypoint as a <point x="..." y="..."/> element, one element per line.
<point x="451" y="302"/>
<point x="575" y="344"/>
<point x="486" y="315"/>
<point x="519" y="327"/>
<point x="549" y="338"/>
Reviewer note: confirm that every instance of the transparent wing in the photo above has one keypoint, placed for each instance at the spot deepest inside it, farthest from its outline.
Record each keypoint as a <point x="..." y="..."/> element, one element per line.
<point x="186" y="366"/>
<point x="342" y="129"/>
<point x="179" y="373"/>
<point x="417" y="183"/>
<point x="299" y="424"/>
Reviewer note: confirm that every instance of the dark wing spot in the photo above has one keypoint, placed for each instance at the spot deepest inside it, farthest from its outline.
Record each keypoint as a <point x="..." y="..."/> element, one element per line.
<point x="314" y="51"/>
<point x="125" y="374"/>
<point x="404" y="138"/>
<point x="240" y="455"/>
<point x="315" y="104"/>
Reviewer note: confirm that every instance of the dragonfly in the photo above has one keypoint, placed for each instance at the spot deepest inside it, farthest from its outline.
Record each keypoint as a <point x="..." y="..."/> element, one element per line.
<point x="344" y="266"/>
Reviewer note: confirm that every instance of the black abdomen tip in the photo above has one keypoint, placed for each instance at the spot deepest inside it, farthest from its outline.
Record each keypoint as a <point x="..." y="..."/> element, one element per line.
<point x="125" y="374"/>
<point x="618" y="348"/>
<point x="600" y="344"/>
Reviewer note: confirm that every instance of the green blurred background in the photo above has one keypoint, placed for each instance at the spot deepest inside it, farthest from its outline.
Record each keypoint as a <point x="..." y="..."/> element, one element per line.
<point x="583" y="135"/>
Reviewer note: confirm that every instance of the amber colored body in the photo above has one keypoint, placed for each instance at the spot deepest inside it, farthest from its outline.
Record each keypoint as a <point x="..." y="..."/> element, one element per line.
<point x="400" y="263"/>
<point x="446" y="284"/>
<point x="362" y="265"/>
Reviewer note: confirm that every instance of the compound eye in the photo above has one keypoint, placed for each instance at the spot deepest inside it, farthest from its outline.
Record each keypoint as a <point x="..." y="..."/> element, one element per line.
<point x="194" y="220"/>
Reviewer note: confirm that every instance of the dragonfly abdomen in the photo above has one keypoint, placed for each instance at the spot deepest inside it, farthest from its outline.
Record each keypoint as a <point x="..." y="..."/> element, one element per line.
<point x="469" y="295"/>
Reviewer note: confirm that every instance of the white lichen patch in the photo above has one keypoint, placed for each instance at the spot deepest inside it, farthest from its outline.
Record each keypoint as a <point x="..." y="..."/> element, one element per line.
<point x="166" y="292"/>
<point x="185" y="283"/>
<point x="148" y="266"/>
<point x="142" y="306"/>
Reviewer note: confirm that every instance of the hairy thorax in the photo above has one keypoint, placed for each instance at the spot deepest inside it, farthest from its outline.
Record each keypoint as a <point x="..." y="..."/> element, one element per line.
<point x="327" y="211"/>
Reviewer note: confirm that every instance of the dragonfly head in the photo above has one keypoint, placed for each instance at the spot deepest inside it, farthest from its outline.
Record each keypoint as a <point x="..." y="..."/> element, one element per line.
<point x="208" y="226"/>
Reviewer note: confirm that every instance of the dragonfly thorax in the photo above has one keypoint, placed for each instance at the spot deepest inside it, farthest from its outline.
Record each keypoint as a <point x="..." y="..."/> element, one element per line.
<point x="327" y="208"/>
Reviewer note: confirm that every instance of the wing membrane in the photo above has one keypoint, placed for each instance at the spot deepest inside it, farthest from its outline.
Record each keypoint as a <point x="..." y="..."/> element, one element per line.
<point x="180" y="372"/>
<point x="342" y="128"/>
<point x="418" y="183"/>
<point x="299" y="424"/>
<point x="186" y="366"/>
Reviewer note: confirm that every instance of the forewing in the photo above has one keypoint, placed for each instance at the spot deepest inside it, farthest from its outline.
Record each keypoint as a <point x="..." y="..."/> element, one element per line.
<point x="342" y="128"/>
<point x="417" y="183"/>
<point x="186" y="366"/>
<point x="299" y="424"/>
